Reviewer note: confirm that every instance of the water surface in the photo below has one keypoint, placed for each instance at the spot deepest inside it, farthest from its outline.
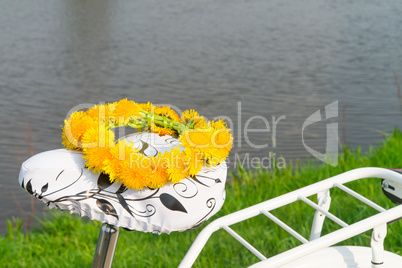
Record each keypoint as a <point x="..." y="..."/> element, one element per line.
<point x="272" y="58"/>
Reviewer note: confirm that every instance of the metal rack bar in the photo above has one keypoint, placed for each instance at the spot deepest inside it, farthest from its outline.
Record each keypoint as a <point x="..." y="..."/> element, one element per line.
<point x="326" y="213"/>
<point x="360" y="197"/>
<point x="244" y="242"/>
<point x="285" y="226"/>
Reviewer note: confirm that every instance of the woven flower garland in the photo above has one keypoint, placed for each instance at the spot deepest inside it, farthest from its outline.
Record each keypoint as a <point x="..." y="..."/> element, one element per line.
<point x="202" y="142"/>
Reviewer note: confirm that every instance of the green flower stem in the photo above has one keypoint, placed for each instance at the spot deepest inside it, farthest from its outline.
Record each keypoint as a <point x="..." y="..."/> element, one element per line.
<point x="163" y="121"/>
<point x="148" y="118"/>
<point x="135" y="123"/>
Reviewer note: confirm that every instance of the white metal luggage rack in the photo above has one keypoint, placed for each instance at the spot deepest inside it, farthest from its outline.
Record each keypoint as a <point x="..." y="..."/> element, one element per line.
<point x="315" y="252"/>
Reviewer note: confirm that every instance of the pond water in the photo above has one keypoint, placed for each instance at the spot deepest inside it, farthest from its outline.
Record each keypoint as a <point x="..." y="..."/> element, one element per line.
<point x="263" y="64"/>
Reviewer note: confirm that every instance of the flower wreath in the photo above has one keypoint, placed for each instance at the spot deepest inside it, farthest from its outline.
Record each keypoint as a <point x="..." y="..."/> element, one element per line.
<point x="202" y="142"/>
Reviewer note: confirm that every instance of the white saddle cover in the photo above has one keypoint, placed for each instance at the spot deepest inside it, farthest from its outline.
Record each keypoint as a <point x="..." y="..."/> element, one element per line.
<point x="60" y="179"/>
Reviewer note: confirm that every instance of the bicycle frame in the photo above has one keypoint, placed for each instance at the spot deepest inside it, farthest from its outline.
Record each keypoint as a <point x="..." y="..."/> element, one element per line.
<point x="377" y="222"/>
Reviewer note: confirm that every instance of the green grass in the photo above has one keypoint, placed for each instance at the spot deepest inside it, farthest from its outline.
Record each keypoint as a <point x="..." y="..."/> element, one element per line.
<point x="64" y="240"/>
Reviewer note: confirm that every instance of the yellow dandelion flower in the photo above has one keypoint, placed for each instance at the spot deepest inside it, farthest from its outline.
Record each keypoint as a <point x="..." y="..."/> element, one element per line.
<point x="112" y="167"/>
<point x="191" y="117"/>
<point x="200" y="123"/>
<point x="102" y="112"/>
<point x="194" y="160"/>
<point x="188" y="114"/>
<point x="222" y="139"/>
<point x="153" y="173"/>
<point x="197" y="138"/>
<point x="215" y="156"/>
<point x="96" y="158"/>
<point x="99" y="136"/>
<point x="74" y="129"/>
<point x="147" y="106"/>
<point x="127" y="108"/>
<point x="121" y="152"/>
<point x="159" y="178"/>
<point x="69" y="145"/>
<point x="168" y="112"/>
<point x="220" y="124"/>
<point x="162" y="131"/>
<point x="176" y="165"/>
<point x="130" y="177"/>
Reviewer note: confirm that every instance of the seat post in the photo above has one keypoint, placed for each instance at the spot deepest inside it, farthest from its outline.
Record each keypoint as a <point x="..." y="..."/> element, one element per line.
<point x="324" y="201"/>
<point x="377" y="245"/>
<point x="106" y="246"/>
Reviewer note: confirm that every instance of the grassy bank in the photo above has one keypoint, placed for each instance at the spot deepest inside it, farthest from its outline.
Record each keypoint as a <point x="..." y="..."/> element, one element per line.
<point x="64" y="240"/>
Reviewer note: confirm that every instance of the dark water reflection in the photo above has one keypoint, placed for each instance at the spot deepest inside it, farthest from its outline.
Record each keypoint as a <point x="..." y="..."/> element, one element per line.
<point x="277" y="58"/>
